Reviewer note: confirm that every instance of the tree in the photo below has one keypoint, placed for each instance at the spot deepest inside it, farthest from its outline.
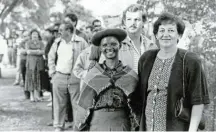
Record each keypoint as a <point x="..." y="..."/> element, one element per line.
<point x="79" y="10"/>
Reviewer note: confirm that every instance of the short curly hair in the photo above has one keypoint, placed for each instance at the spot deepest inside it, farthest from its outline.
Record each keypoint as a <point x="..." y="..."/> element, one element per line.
<point x="35" y="30"/>
<point x="169" y="18"/>
<point x="134" y="8"/>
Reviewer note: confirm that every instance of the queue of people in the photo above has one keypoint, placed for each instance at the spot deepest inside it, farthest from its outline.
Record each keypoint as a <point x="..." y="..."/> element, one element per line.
<point x="115" y="79"/>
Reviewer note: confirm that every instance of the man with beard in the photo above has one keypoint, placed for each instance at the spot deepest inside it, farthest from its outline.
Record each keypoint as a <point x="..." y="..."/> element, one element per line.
<point x="61" y="59"/>
<point x="23" y="56"/>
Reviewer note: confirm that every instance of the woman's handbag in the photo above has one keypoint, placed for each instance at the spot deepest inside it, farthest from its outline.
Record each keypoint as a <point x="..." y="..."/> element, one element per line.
<point x="181" y="111"/>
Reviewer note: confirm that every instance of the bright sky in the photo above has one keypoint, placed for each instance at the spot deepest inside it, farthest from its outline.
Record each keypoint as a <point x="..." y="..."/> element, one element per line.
<point x="106" y="7"/>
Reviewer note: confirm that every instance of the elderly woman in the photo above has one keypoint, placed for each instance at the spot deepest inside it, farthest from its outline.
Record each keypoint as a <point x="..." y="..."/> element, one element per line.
<point x="107" y="87"/>
<point x="34" y="65"/>
<point x="161" y="73"/>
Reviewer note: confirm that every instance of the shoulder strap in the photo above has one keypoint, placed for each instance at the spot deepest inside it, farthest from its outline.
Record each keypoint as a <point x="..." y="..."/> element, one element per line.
<point x="56" y="52"/>
<point x="184" y="74"/>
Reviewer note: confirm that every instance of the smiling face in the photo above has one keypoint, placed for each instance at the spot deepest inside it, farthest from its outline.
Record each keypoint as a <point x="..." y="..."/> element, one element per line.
<point x="35" y="35"/>
<point x="167" y="35"/>
<point x="133" y="21"/>
<point x="110" y="46"/>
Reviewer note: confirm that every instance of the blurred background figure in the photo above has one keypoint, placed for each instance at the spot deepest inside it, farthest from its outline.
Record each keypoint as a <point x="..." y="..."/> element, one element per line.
<point x="3" y="47"/>
<point x="73" y="19"/>
<point x="34" y="65"/>
<point x="12" y="51"/>
<point x="96" y="23"/>
<point x="18" y="80"/>
<point x="23" y="56"/>
<point x="88" y="32"/>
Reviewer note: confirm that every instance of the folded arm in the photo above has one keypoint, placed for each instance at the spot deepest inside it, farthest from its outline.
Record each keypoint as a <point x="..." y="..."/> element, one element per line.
<point x="35" y="52"/>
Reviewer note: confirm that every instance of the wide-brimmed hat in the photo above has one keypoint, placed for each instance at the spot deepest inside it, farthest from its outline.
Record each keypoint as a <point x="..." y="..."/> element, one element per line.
<point x="120" y="34"/>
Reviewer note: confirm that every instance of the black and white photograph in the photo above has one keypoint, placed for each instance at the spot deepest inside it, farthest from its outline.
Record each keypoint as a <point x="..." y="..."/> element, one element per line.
<point x="108" y="65"/>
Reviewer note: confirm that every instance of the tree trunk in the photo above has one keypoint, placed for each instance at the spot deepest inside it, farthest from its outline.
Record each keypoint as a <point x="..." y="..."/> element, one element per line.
<point x="9" y="9"/>
<point x="6" y="11"/>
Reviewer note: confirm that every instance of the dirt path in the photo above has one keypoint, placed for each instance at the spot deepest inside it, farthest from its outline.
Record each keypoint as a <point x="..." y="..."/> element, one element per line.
<point x="18" y="114"/>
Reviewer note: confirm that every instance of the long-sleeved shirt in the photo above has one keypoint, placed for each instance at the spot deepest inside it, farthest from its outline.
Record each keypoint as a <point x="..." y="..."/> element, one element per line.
<point x="82" y="63"/>
<point x="66" y="59"/>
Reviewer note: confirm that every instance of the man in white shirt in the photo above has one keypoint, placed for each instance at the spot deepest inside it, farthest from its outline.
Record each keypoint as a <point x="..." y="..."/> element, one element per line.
<point x="61" y="59"/>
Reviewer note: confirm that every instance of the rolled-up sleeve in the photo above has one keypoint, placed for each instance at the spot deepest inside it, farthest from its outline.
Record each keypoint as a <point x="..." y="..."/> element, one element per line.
<point x="197" y="82"/>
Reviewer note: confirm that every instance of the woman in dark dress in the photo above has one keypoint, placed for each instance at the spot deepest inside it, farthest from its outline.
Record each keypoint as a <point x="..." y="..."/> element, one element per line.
<point x="161" y="80"/>
<point x="34" y="65"/>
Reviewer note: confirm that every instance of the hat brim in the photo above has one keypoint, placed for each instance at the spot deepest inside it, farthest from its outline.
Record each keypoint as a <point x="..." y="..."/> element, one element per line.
<point x="118" y="33"/>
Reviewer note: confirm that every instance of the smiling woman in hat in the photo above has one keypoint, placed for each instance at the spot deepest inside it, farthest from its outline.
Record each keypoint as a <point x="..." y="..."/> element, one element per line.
<point x="107" y="87"/>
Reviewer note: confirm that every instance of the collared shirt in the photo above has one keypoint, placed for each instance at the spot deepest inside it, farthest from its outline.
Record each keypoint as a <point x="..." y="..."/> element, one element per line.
<point x="82" y="63"/>
<point x="136" y="53"/>
<point x="113" y="71"/>
<point x="67" y="54"/>
<point x="146" y="44"/>
<point x="65" y="57"/>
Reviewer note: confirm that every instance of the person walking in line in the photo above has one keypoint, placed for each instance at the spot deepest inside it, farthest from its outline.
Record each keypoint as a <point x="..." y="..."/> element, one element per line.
<point x="23" y="56"/>
<point x="19" y="78"/>
<point x="50" y="37"/>
<point x="86" y="59"/>
<point x="61" y="59"/>
<point x="34" y="65"/>
<point x="73" y="19"/>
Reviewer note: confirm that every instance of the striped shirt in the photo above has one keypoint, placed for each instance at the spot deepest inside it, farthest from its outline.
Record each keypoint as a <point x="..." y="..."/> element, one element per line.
<point x="146" y="44"/>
